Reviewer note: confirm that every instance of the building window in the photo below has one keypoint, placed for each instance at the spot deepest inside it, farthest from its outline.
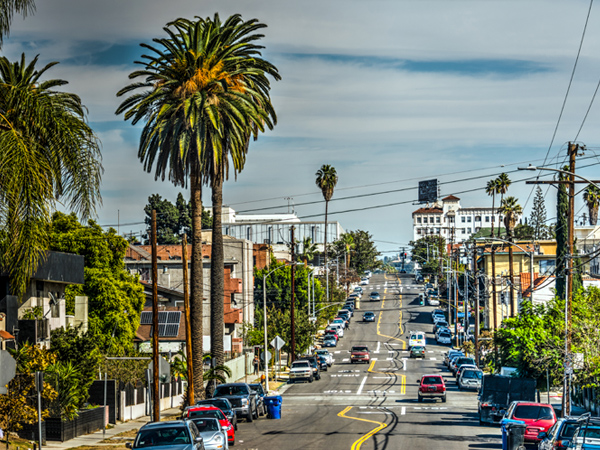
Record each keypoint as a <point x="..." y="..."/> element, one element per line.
<point x="477" y="218"/>
<point x="437" y="230"/>
<point x="463" y="219"/>
<point x="249" y="233"/>
<point x="418" y="231"/>
<point x="469" y="219"/>
<point x="487" y="218"/>
<point x="437" y="219"/>
<point x="418" y="220"/>
<point x="451" y="219"/>
<point x="463" y="230"/>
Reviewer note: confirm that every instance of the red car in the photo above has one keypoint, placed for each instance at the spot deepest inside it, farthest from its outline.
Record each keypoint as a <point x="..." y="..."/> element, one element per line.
<point x="360" y="353"/>
<point x="200" y="412"/>
<point x="431" y="386"/>
<point x="538" y="417"/>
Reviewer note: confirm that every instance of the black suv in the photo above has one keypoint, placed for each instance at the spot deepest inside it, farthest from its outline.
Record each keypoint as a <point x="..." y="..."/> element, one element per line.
<point x="314" y="364"/>
<point x="242" y="398"/>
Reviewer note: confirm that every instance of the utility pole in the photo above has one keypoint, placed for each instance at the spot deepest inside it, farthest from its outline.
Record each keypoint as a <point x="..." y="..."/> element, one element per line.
<point x="292" y="313"/>
<point x="513" y="306"/>
<point x="155" y="367"/>
<point x="476" y="304"/>
<point x="188" y="322"/>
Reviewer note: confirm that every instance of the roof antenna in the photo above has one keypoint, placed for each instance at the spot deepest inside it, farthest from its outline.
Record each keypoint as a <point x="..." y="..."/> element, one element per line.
<point x="290" y="200"/>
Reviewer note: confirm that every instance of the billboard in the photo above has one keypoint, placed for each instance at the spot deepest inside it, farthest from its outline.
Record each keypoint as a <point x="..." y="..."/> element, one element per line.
<point x="428" y="191"/>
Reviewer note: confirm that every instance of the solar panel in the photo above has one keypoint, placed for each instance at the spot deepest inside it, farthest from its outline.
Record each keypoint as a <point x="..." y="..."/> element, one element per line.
<point x="173" y="317"/>
<point x="146" y="318"/>
<point x="168" y="322"/>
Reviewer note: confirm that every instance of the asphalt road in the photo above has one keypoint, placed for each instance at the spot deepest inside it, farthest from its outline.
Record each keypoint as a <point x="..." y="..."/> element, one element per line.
<point x="374" y="406"/>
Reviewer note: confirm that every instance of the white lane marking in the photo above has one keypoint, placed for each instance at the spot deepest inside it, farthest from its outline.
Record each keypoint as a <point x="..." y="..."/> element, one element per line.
<point x="382" y="378"/>
<point x="389" y="359"/>
<point x="403" y="411"/>
<point x="373" y="359"/>
<point x="404" y="360"/>
<point x="362" y="385"/>
<point x="345" y="359"/>
<point x="337" y="351"/>
<point x="377" y="349"/>
<point x="432" y="359"/>
<point x="429" y="351"/>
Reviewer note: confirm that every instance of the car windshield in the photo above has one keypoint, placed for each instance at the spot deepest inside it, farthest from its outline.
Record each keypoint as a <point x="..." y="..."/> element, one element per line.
<point x="431" y="380"/>
<point x="417" y="348"/>
<point x="463" y="361"/>
<point x="214" y="413"/>
<point x="258" y="388"/>
<point x="473" y="374"/>
<point x="374" y="293"/>
<point x="176" y="435"/>
<point x="536" y="412"/>
<point x="206" y="425"/>
<point x="357" y="348"/>
<point x="338" y="321"/>
<point x="301" y="364"/>
<point x="444" y="333"/>
<point x="369" y="313"/>
<point x="231" y="390"/>
<point x="329" y="338"/>
<point x="220" y="403"/>
<point x="569" y="430"/>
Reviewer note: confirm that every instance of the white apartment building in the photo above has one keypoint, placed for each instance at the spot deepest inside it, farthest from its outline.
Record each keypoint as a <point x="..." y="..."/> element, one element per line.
<point x="454" y="223"/>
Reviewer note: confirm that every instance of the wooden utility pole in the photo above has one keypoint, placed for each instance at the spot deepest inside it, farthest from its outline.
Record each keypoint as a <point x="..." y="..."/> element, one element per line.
<point x="476" y="304"/>
<point x="155" y="362"/>
<point x="292" y="313"/>
<point x="188" y="322"/>
<point x="513" y="305"/>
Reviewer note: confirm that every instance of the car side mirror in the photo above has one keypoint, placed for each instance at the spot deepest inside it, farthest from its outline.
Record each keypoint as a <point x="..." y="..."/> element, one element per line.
<point x="502" y="412"/>
<point x="419" y="381"/>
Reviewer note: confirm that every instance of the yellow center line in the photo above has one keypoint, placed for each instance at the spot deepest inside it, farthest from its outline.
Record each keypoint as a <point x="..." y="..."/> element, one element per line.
<point x="362" y="439"/>
<point x="402" y="376"/>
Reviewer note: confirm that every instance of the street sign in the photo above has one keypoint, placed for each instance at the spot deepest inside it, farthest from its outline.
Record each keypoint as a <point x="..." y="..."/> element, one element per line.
<point x="277" y="343"/>
<point x="262" y="356"/>
<point x="8" y="370"/>
<point x="164" y="370"/>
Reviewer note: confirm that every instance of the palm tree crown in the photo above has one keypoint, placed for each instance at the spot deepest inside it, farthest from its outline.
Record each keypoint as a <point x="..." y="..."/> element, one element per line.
<point x="591" y="196"/>
<point x="511" y="210"/>
<point x="49" y="153"/>
<point x="327" y="180"/>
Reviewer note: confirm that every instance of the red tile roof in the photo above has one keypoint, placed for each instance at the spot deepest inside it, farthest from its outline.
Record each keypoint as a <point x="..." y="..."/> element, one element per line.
<point x="526" y="282"/>
<point x="428" y="211"/>
<point x="450" y="198"/>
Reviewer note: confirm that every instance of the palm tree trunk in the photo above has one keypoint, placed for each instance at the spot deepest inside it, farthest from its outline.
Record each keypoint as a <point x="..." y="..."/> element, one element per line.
<point x="217" y="275"/>
<point x="325" y="248"/>
<point x="197" y="283"/>
<point x="593" y="215"/>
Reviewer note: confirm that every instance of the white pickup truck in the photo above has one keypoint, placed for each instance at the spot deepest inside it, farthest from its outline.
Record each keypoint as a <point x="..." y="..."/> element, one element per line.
<point x="301" y="370"/>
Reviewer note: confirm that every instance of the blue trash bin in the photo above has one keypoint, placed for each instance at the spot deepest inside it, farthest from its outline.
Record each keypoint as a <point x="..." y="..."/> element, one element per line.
<point x="274" y="406"/>
<point x="505" y="426"/>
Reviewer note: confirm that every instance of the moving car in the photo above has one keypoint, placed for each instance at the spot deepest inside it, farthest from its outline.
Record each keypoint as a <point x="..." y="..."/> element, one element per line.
<point x="470" y="378"/>
<point x="369" y="316"/>
<point x="242" y="398"/>
<point x="328" y="356"/>
<point x="301" y="370"/>
<point x="559" y="435"/>
<point x="206" y="412"/>
<point x="431" y="386"/>
<point x="538" y="418"/>
<point x="173" y="434"/>
<point x="224" y="405"/>
<point x="375" y="296"/>
<point x="360" y="353"/>
<point x="417" y="351"/>
<point x="212" y="433"/>
<point x="417" y="338"/>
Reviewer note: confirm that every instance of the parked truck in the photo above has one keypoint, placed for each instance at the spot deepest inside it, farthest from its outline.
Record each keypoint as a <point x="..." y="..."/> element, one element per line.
<point x="498" y="391"/>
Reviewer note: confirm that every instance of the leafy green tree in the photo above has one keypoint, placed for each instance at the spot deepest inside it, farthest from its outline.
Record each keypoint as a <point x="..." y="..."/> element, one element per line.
<point x="524" y="231"/>
<point x="115" y="298"/>
<point x="537" y="219"/>
<point x="365" y="253"/>
<point x="427" y="251"/>
<point x="78" y="358"/>
<point x="8" y="9"/>
<point x="49" y="155"/>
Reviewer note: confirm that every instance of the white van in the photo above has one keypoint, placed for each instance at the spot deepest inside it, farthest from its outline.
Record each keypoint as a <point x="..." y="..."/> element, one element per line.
<point x="417" y="338"/>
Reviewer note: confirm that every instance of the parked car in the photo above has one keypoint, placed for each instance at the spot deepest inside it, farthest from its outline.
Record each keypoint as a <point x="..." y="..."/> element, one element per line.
<point x="440" y="324"/>
<point x="260" y="397"/>
<point x="209" y="411"/>
<point x="374" y="296"/>
<point x="444" y="337"/>
<point x="301" y="370"/>
<point x="538" y="418"/>
<point x="323" y="366"/>
<point x="360" y="353"/>
<point x="470" y="379"/>
<point x="439" y="318"/>
<point x="332" y="331"/>
<point x="343" y="312"/>
<point x="559" y="435"/>
<point x="431" y="386"/>
<point x="358" y="289"/>
<point x="369" y="316"/>
<point x="437" y="312"/>
<point x="364" y="281"/>
<point x="173" y="434"/>
<point x="242" y="398"/>
<point x="339" y="321"/>
<point x="433" y="301"/>
<point x="462" y="367"/>
<point x="328" y="356"/>
<point x="338" y="327"/>
<point x="314" y="363"/>
<point x="587" y="435"/>
<point x="212" y="433"/>
<point x="451" y="354"/>
<point x="224" y="405"/>
<point x="330" y="341"/>
<point x="417" y="351"/>
<point x="459" y="362"/>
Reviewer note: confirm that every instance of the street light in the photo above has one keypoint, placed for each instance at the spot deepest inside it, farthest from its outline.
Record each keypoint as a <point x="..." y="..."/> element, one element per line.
<point x="265" y="317"/>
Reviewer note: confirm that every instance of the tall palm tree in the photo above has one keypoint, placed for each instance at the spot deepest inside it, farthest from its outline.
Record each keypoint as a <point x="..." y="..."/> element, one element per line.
<point x="591" y="196"/>
<point x="170" y="100"/>
<point x="348" y="241"/>
<point x="49" y="154"/>
<point x="502" y="184"/>
<point x="492" y="189"/>
<point x="326" y="180"/>
<point x="8" y="9"/>
<point x="511" y="210"/>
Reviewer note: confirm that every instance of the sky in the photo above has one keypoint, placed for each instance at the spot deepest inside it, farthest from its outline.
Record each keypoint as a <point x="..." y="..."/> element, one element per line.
<point x="388" y="92"/>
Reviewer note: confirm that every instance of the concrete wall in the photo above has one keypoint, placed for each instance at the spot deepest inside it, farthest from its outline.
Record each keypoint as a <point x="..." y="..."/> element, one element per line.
<point x="239" y="366"/>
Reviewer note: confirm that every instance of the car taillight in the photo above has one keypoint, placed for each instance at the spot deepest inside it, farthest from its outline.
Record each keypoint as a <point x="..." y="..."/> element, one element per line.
<point x="484" y="405"/>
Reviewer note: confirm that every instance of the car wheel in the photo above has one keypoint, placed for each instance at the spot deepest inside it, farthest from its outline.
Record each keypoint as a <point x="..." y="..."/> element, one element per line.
<point x="250" y="416"/>
<point x="419" y="398"/>
<point x="261" y="411"/>
<point x="444" y="399"/>
<point x="256" y="413"/>
<point x="310" y="380"/>
<point x="235" y="426"/>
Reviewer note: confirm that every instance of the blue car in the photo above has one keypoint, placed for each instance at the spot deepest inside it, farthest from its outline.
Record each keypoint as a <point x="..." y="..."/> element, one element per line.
<point x="329" y="341"/>
<point x="369" y="316"/>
